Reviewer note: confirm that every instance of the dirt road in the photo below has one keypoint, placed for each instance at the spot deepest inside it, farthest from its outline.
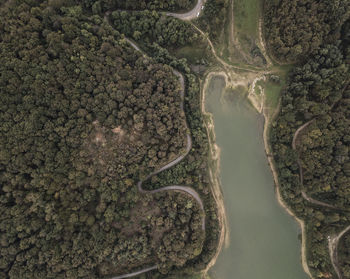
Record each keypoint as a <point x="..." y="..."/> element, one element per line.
<point x="129" y="275"/>
<point x="333" y="242"/>
<point x="191" y="14"/>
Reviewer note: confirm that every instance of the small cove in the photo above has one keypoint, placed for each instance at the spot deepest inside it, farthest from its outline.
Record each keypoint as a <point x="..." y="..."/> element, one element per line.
<point x="263" y="238"/>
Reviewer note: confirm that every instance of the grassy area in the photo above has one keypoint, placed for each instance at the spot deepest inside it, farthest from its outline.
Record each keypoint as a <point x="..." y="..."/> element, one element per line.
<point x="272" y="91"/>
<point x="246" y="17"/>
<point x="192" y="54"/>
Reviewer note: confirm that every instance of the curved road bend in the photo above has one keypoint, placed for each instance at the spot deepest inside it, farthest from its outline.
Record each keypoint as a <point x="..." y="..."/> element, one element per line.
<point x="179" y="188"/>
<point x="191" y="14"/>
<point x="333" y="250"/>
<point x="333" y="241"/>
<point x="301" y="174"/>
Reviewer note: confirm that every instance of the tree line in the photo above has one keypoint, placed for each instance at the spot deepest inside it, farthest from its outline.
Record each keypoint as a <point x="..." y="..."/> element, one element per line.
<point x="294" y="29"/>
<point x="318" y="92"/>
<point x="84" y="117"/>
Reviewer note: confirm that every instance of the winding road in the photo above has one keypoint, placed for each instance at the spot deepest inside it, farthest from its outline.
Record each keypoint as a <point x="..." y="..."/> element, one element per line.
<point x="178" y="188"/>
<point x="333" y="241"/>
<point x="301" y="173"/>
<point x="191" y="14"/>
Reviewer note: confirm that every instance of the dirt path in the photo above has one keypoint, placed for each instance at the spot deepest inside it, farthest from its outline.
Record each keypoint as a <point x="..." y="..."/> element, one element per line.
<point x="134" y="45"/>
<point x="226" y="66"/>
<point x="298" y="131"/>
<point x="233" y="40"/>
<point x="333" y="242"/>
<point x="311" y="200"/>
<point x="263" y="45"/>
<point x="191" y="14"/>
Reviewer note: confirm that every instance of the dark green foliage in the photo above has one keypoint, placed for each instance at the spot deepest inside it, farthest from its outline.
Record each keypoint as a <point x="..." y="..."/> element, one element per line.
<point x="83" y="117"/>
<point x="344" y="252"/>
<point x="293" y="29"/>
<point x="166" y="5"/>
<point x="152" y="26"/>
<point x="318" y="91"/>
<point x="325" y="155"/>
<point x="212" y="20"/>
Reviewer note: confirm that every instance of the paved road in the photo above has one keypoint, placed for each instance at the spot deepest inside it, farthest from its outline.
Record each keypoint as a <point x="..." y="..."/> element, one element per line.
<point x="135" y="273"/>
<point x="191" y="14"/>
<point x="179" y="188"/>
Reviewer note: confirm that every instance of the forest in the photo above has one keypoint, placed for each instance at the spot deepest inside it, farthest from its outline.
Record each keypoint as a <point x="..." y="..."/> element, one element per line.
<point x="213" y="19"/>
<point x="151" y="27"/>
<point x="84" y="117"/>
<point x="108" y="5"/>
<point x="294" y="29"/>
<point x="311" y="136"/>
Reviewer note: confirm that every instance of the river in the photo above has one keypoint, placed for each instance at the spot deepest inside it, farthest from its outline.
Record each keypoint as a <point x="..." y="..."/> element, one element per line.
<point x="263" y="238"/>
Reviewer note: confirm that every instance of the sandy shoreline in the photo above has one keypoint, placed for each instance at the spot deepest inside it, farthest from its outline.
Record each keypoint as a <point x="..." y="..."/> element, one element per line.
<point x="214" y="170"/>
<point x="280" y="200"/>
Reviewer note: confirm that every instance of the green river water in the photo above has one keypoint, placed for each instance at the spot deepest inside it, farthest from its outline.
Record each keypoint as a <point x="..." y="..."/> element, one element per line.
<point x="264" y="240"/>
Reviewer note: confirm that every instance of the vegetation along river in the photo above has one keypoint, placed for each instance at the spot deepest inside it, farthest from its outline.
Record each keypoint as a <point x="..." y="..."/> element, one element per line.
<point x="263" y="238"/>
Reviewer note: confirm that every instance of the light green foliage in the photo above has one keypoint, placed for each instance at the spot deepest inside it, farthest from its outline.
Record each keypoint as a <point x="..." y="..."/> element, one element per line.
<point x="246" y="17"/>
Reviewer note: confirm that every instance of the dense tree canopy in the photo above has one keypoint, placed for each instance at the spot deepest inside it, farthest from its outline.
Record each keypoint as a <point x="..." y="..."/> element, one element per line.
<point x="318" y="94"/>
<point x="293" y="29"/>
<point x="83" y="118"/>
<point x="152" y="27"/>
<point x="166" y="5"/>
<point x="212" y="19"/>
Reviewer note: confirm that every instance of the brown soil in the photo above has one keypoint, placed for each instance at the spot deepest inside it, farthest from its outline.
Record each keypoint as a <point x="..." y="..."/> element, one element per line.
<point x="141" y="212"/>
